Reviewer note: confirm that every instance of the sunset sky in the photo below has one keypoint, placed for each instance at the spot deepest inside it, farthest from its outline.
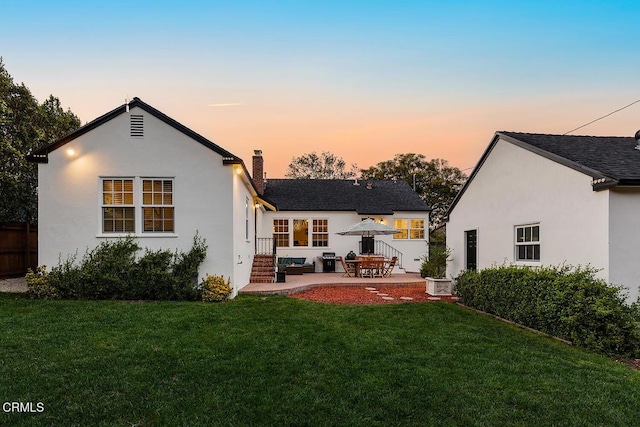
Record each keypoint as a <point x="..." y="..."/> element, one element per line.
<point x="362" y="79"/>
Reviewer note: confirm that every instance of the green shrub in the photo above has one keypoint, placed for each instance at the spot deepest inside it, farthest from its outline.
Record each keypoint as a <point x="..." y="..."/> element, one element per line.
<point x="113" y="271"/>
<point x="434" y="264"/>
<point x="39" y="285"/>
<point x="215" y="288"/>
<point x="570" y="303"/>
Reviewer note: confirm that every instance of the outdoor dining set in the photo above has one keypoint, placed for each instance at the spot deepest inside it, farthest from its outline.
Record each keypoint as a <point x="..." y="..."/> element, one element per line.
<point x="368" y="266"/>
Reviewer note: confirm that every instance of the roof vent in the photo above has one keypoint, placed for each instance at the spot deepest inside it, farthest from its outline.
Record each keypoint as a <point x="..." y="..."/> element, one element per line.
<point x="638" y="140"/>
<point x="136" y="122"/>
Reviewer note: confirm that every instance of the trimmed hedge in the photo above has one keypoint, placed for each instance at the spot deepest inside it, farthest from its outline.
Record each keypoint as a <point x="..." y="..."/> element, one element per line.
<point x="566" y="302"/>
<point x="113" y="271"/>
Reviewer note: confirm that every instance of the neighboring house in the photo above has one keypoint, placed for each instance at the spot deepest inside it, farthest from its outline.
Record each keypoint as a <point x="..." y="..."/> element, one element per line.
<point x="310" y="213"/>
<point x="136" y="171"/>
<point x="536" y="199"/>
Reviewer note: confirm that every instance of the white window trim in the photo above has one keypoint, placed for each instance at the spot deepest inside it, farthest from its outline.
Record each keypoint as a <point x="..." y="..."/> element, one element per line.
<point x="532" y="262"/>
<point x="425" y="233"/>
<point x="137" y="204"/>
<point x="310" y="233"/>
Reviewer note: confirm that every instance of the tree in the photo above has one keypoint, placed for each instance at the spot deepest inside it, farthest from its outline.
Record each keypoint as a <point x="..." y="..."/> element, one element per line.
<point x="435" y="181"/>
<point x="25" y="125"/>
<point x="323" y="166"/>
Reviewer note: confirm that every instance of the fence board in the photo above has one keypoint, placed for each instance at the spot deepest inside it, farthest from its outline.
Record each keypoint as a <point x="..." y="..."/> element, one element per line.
<point x="18" y="248"/>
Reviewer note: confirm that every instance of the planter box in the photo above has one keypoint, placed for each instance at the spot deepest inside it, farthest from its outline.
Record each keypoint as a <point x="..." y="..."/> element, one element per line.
<point x="439" y="286"/>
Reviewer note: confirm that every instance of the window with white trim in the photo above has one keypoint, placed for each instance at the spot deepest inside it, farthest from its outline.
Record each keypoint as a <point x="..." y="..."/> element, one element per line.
<point x="127" y="202"/>
<point x="118" y="209"/>
<point x="301" y="232"/>
<point x="157" y="205"/>
<point x="320" y="236"/>
<point x="527" y="245"/>
<point x="281" y="232"/>
<point x="409" y="228"/>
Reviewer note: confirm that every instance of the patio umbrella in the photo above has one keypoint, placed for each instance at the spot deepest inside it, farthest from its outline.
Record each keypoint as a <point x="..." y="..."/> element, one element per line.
<point x="368" y="227"/>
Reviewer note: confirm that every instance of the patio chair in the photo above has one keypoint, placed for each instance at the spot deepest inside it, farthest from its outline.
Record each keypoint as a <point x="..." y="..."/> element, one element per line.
<point x="372" y="267"/>
<point x="389" y="267"/>
<point x="349" y="269"/>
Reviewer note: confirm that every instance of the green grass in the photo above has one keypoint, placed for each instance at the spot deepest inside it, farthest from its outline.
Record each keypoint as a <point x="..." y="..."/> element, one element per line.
<point x="280" y="361"/>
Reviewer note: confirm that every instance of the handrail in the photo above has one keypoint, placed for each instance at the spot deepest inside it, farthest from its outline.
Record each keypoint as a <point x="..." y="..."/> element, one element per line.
<point x="386" y="250"/>
<point x="265" y="246"/>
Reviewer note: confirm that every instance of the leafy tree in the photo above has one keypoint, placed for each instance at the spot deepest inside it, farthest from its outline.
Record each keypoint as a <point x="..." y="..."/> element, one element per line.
<point x="314" y="166"/>
<point x="435" y="181"/>
<point x="25" y="125"/>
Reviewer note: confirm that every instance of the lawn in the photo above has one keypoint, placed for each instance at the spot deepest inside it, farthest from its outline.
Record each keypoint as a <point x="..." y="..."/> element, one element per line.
<point x="279" y="361"/>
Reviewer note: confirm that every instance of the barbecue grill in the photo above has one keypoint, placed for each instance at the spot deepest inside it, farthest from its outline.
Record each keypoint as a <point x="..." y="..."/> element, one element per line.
<point x="328" y="262"/>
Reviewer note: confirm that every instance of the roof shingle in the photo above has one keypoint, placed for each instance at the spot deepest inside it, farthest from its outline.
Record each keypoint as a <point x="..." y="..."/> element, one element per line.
<point x="382" y="198"/>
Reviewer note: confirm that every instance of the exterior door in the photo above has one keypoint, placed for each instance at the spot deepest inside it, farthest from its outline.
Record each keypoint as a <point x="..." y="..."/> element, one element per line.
<point x="471" y="249"/>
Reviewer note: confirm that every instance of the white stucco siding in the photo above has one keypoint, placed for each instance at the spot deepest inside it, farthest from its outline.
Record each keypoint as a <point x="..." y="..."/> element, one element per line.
<point x="244" y="222"/>
<point x="517" y="187"/>
<point x="412" y="250"/>
<point x="70" y="191"/>
<point x="624" y="244"/>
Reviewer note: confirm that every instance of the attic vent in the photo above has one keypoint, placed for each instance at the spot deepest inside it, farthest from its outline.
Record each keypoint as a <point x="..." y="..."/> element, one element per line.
<point x="137" y="125"/>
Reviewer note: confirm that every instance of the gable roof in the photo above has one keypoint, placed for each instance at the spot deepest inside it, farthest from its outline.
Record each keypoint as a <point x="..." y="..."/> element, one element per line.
<point x="382" y="198"/>
<point x="41" y="155"/>
<point x="610" y="160"/>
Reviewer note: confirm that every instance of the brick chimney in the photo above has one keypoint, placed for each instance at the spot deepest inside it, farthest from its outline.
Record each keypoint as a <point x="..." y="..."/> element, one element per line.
<point x="258" y="171"/>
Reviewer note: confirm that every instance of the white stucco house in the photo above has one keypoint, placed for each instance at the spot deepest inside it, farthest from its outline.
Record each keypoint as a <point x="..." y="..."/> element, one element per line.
<point x="136" y="171"/>
<point x="309" y="213"/>
<point x="537" y="199"/>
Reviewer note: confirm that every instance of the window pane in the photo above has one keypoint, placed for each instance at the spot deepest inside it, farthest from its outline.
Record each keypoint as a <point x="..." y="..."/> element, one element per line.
<point x="107" y="185"/>
<point x="146" y="198"/>
<point x="527" y="234"/>
<point x="117" y="185"/>
<point x="536" y="234"/>
<point x="167" y="186"/>
<point x="157" y="199"/>
<point x="536" y="252"/>
<point x="403" y="234"/>
<point x="522" y="252"/>
<point x="400" y="223"/>
<point x="168" y="199"/>
<point x="520" y="232"/>
<point x="107" y="199"/>
<point x="300" y="232"/>
<point x="128" y="198"/>
<point x="157" y="186"/>
<point x="417" y="234"/>
<point x="417" y="223"/>
<point x="146" y="185"/>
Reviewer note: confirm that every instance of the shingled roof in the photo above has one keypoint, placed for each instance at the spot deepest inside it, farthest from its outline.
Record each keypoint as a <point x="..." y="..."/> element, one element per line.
<point x="610" y="160"/>
<point x="612" y="157"/>
<point x="368" y="198"/>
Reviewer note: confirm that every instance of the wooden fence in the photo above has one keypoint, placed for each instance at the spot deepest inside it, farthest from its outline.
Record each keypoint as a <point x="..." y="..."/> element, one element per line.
<point x="18" y="248"/>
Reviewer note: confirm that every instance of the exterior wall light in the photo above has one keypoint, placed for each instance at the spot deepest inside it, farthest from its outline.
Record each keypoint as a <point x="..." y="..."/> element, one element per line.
<point x="71" y="152"/>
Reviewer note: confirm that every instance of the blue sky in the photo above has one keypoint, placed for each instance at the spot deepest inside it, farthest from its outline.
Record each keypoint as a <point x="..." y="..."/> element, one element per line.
<point x="362" y="79"/>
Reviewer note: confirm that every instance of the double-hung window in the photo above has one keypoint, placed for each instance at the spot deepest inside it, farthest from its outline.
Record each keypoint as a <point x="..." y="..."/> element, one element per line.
<point x="281" y="232"/>
<point x="320" y="237"/>
<point x="527" y="242"/>
<point x="137" y="205"/>
<point x="118" y="209"/>
<point x="157" y="205"/>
